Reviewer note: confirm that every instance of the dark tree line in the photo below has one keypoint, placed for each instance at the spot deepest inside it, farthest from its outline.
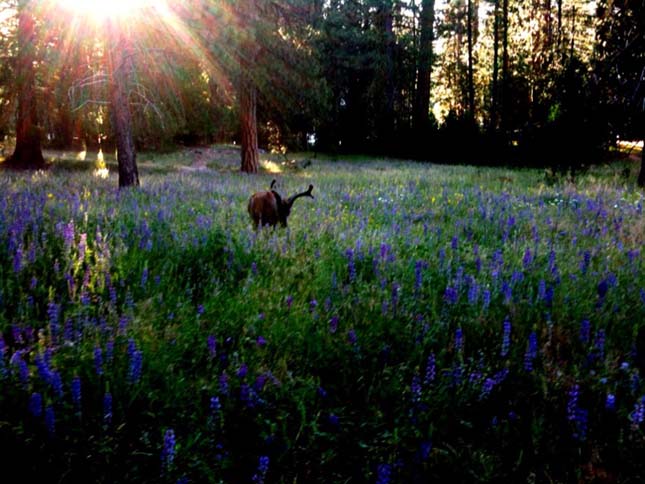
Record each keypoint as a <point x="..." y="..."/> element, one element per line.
<point x="546" y="83"/>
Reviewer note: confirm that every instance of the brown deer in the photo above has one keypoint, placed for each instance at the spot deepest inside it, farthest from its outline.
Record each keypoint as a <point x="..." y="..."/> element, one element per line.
<point x="269" y="208"/>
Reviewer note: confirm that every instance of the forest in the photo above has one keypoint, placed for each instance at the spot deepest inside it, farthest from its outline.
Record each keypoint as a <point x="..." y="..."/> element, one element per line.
<point x="322" y="241"/>
<point x="550" y="83"/>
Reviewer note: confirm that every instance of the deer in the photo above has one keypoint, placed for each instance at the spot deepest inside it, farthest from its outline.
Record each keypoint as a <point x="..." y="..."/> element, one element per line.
<point x="269" y="208"/>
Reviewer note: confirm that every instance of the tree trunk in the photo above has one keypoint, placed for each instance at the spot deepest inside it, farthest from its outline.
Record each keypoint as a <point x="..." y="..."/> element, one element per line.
<point x="28" y="153"/>
<point x="387" y="123"/>
<point x="424" y="72"/>
<point x="471" y="80"/>
<point x="495" y="82"/>
<point x="121" y="66"/>
<point x="248" y="123"/>
<point x="505" y="64"/>
<point x="248" y="89"/>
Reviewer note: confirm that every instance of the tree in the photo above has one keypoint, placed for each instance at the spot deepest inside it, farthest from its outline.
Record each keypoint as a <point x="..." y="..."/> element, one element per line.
<point x="424" y="69"/>
<point x="28" y="152"/>
<point x="120" y="67"/>
<point x="247" y="87"/>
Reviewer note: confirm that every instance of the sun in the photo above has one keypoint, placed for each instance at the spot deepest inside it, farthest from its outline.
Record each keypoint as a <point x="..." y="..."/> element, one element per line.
<point x="104" y="9"/>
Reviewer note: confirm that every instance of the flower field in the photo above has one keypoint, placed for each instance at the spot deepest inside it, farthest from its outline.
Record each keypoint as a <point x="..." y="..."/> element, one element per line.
<point x="415" y="323"/>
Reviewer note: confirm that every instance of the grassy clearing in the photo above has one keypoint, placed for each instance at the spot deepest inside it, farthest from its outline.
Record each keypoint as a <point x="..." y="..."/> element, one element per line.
<point x="417" y="321"/>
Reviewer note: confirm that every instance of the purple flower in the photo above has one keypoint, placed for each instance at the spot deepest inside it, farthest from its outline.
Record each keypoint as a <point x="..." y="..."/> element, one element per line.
<point x="263" y="468"/>
<point x="351" y="336"/>
<point x="211" y="344"/>
<point x="261" y="341"/>
<point x="76" y="392"/>
<point x="527" y="260"/>
<point x="487" y="387"/>
<point x="572" y="403"/>
<point x="56" y="384"/>
<point x="459" y="340"/>
<point x="242" y="370"/>
<point x="415" y="389"/>
<point x="383" y="474"/>
<point x="215" y="405"/>
<point x="289" y="301"/>
<point x="98" y="360"/>
<point x="333" y="324"/>
<point x="603" y="287"/>
<point x="610" y="402"/>
<point x="451" y="295"/>
<point x="430" y="370"/>
<point x="506" y="338"/>
<point x="638" y="415"/>
<point x="486" y="298"/>
<point x="585" y="331"/>
<point x="223" y="383"/>
<point x="36" y="404"/>
<point x="107" y="408"/>
<point x="168" y="449"/>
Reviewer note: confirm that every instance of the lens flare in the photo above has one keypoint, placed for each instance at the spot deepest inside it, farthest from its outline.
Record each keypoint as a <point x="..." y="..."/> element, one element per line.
<point x="101" y="9"/>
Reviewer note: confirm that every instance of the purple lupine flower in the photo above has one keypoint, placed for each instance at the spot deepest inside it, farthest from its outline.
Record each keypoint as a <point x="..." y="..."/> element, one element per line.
<point x="418" y="275"/>
<point x="383" y="474"/>
<point x="454" y="242"/>
<point x="542" y="290"/>
<point x="533" y="344"/>
<point x="473" y="291"/>
<point x="56" y="384"/>
<point x="289" y="301"/>
<point x="136" y="366"/>
<point x="168" y="449"/>
<point x="109" y="351"/>
<point x="599" y="343"/>
<point x="527" y="260"/>
<point x="451" y="295"/>
<point x="638" y="415"/>
<point x="76" y="392"/>
<point x="572" y="403"/>
<point x="352" y="337"/>
<point x="610" y="402"/>
<point x="215" y="405"/>
<point x="261" y="341"/>
<point x="223" y="383"/>
<point x="144" y="277"/>
<point x="586" y="260"/>
<point x="211" y="344"/>
<point x="396" y="289"/>
<point x="351" y="266"/>
<point x="581" y="421"/>
<point x="313" y="304"/>
<point x="585" y="331"/>
<point x="17" y="260"/>
<point x="415" y="389"/>
<point x="506" y="338"/>
<point x="43" y="368"/>
<point x="487" y="387"/>
<point x="263" y="468"/>
<point x="333" y="324"/>
<point x="68" y="234"/>
<point x="36" y="404"/>
<point x="50" y="420"/>
<point x="459" y="340"/>
<point x="53" y="311"/>
<point x="22" y="367"/>
<point x="254" y="268"/>
<point x="507" y="291"/>
<point x="486" y="298"/>
<point x="603" y="287"/>
<point x="98" y="360"/>
<point x="430" y="370"/>
<point x="107" y="408"/>
<point x="242" y="370"/>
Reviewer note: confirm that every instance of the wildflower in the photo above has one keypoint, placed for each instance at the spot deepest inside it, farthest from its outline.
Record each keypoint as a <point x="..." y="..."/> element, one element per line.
<point x="418" y="274"/>
<point x="168" y="450"/>
<point x="136" y="362"/>
<point x="415" y="389"/>
<point x="36" y="404"/>
<point x="351" y="337"/>
<point x="506" y="338"/>
<point x="261" y="341"/>
<point x="638" y="415"/>
<point x="223" y="383"/>
<point x="599" y="343"/>
<point x="76" y="392"/>
<point x="98" y="360"/>
<point x="451" y="296"/>
<point x="486" y="298"/>
<point x="572" y="404"/>
<point x="610" y="402"/>
<point x="351" y="266"/>
<point x="487" y="387"/>
<point x="211" y="344"/>
<point x="582" y="418"/>
<point x="57" y="384"/>
<point x="263" y="468"/>
<point x="107" y="408"/>
<point x="242" y="370"/>
<point x="586" y="260"/>
<point x="383" y="474"/>
<point x="430" y="370"/>
<point x="215" y="405"/>
<point x="527" y="260"/>
<point x="459" y="340"/>
<point x="333" y="324"/>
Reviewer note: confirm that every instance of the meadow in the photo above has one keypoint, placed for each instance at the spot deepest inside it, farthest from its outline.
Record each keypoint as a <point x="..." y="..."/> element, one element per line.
<point x="415" y="323"/>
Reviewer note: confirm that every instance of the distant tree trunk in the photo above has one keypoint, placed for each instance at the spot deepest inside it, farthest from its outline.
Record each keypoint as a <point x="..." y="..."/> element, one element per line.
<point x="121" y="65"/>
<point x="505" y="64"/>
<point x="424" y="70"/>
<point x="387" y="123"/>
<point x="28" y="153"/>
<point x="495" y="82"/>
<point x="248" y="90"/>
<point x="471" y="80"/>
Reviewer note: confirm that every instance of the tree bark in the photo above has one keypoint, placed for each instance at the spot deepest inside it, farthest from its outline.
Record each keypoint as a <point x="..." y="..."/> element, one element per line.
<point x="387" y="122"/>
<point x="505" y="64"/>
<point x="121" y="65"/>
<point x="421" y="118"/>
<point x="471" y="80"/>
<point x="28" y="153"/>
<point x="248" y="90"/>
<point x="495" y="82"/>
